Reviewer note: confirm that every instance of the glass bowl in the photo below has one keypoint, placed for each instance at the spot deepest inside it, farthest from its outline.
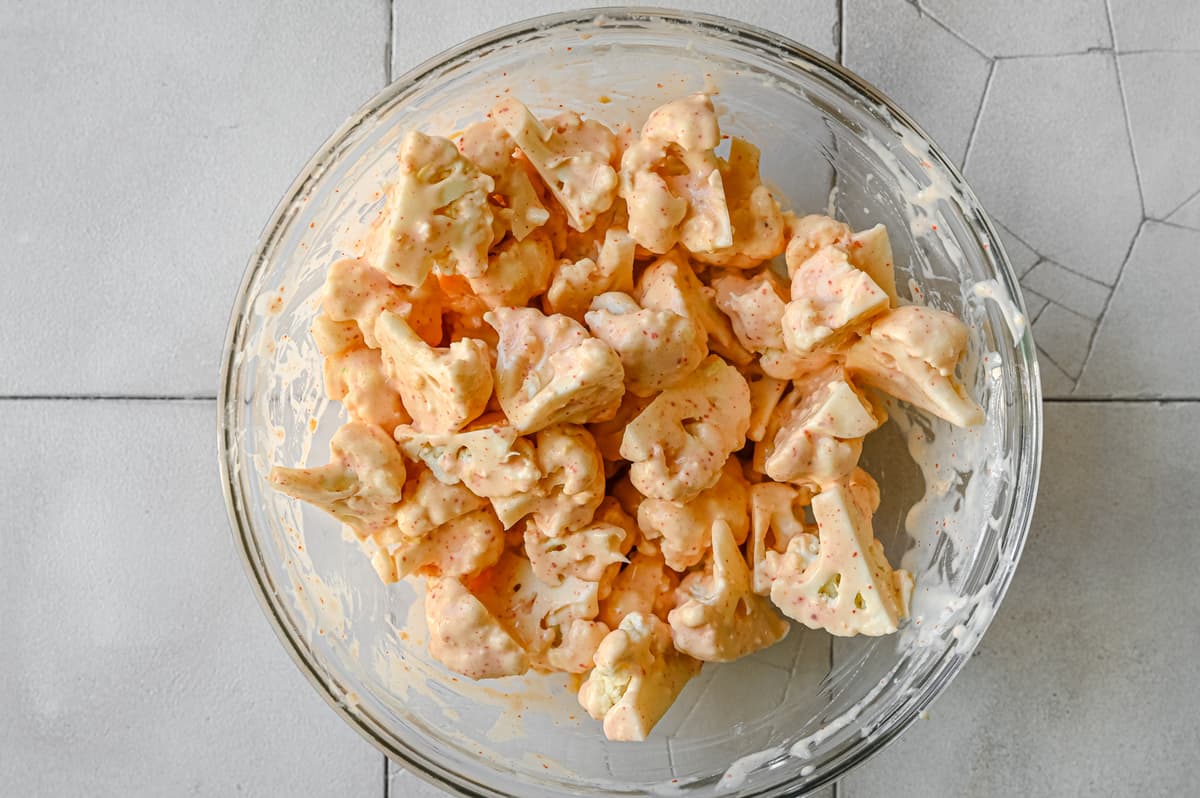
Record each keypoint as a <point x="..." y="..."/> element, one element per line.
<point x="790" y="718"/>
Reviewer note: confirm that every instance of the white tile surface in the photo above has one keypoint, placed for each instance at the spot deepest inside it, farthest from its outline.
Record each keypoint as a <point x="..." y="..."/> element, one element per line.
<point x="135" y="659"/>
<point x="151" y="145"/>
<point x="1139" y="25"/>
<point x="933" y="76"/>
<point x="1147" y="343"/>
<point x="1052" y="161"/>
<point x="1160" y="117"/>
<point x="1019" y="253"/>
<point x="1085" y="684"/>
<point x="1064" y="336"/>
<point x="1026" y="27"/>
<point x="810" y="22"/>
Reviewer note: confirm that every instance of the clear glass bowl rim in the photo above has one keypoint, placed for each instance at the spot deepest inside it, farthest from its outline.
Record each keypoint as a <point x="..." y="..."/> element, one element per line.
<point x="1027" y="454"/>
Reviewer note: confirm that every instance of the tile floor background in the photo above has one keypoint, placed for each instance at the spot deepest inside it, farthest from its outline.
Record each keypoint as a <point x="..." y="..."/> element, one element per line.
<point x="141" y="155"/>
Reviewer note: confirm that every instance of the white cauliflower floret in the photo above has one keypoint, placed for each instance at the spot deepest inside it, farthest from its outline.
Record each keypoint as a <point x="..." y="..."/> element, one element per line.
<point x="657" y="347"/>
<point x="765" y="393"/>
<point x="608" y="434"/>
<point x="442" y="388"/>
<point x="670" y="284"/>
<point x="671" y="180"/>
<point x="539" y="616"/>
<point x="644" y="585"/>
<point x="911" y="353"/>
<point x="591" y="553"/>
<point x="637" y="677"/>
<point x="550" y="370"/>
<point x="465" y="637"/>
<point x="682" y="530"/>
<point x="758" y="226"/>
<point x="356" y="379"/>
<point x="517" y="271"/>
<point x="356" y="291"/>
<point x="437" y="214"/>
<point x="816" y="432"/>
<point x="829" y="297"/>
<point x="429" y="503"/>
<point x="493" y="462"/>
<point x="515" y="204"/>
<point x="871" y="251"/>
<point x="461" y="547"/>
<point x="755" y="308"/>
<point x="680" y="442"/>
<point x="776" y="516"/>
<point x="571" y="485"/>
<point x="361" y="485"/>
<point x="574" y="157"/>
<point x="335" y="337"/>
<point x="719" y="618"/>
<point x="808" y="234"/>
<point x="575" y="283"/>
<point x="839" y="580"/>
<point x="578" y="647"/>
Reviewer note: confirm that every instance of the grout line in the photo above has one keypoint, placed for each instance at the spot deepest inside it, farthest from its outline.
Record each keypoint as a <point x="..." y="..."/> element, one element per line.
<point x="1176" y="225"/>
<point x="1032" y="266"/>
<point x="841" y="32"/>
<point x="925" y="12"/>
<point x="1038" y="315"/>
<point x="837" y="789"/>
<point x="1159" y="51"/>
<point x="1087" y="358"/>
<point x="1117" y="400"/>
<point x="106" y="397"/>
<point x="1044" y="355"/>
<point x="1137" y="172"/>
<point x="1068" y="54"/>
<point x="1073" y="271"/>
<point x="987" y="89"/>
<point x="1179" y="207"/>
<point x="387" y="787"/>
<point x="388" y="45"/>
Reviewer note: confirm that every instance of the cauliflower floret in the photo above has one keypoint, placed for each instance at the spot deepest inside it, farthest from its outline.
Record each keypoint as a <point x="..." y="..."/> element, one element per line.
<point x="758" y="226"/>
<point x="576" y="282"/>
<point x="515" y="204"/>
<point x="682" y="531"/>
<point x="463" y="312"/>
<point x="608" y="434"/>
<point x="765" y="393"/>
<point x="465" y="637"/>
<point x="437" y="214"/>
<point x="808" y="234"/>
<point x="493" y="462"/>
<point x="356" y="291"/>
<point x="516" y="272"/>
<point x="718" y="617"/>
<point x="571" y="485"/>
<point x="911" y="353"/>
<point x="460" y="547"/>
<point x="644" y="585"/>
<point x="356" y="379"/>
<point x="362" y="484"/>
<point x="670" y="284"/>
<point x="550" y="370"/>
<point x="871" y="251"/>
<point x="429" y="503"/>
<point x="777" y="516"/>
<point x="539" y="616"/>
<point x="671" y="180"/>
<point x="592" y="553"/>
<point x="574" y="157"/>
<point x="829" y="297"/>
<point x="442" y="389"/>
<point x="578" y="647"/>
<point x="335" y="337"/>
<point x="680" y="442"/>
<point x="839" y="580"/>
<point x="657" y="347"/>
<point x="637" y="677"/>
<point x="816" y="431"/>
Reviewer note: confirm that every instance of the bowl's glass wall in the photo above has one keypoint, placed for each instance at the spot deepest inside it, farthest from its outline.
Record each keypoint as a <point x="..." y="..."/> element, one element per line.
<point x="824" y="142"/>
